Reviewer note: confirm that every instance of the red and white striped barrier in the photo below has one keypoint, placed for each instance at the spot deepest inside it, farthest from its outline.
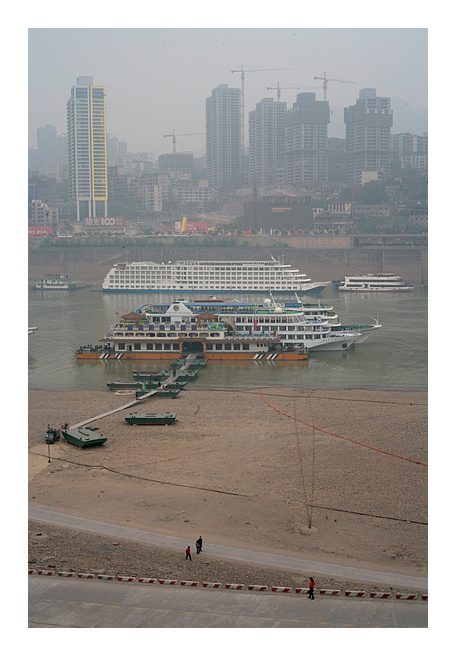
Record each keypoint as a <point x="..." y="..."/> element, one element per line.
<point x="185" y="583"/>
<point x="106" y="576"/>
<point x="146" y="580"/>
<point x="86" y="576"/>
<point x="424" y="597"/>
<point x="45" y="572"/>
<point x="125" y="579"/>
<point x="212" y="585"/>
<point x="406" y="596"/>
<point x="168" y="581"/>
<point x="355" y="594"/>
<point x="379" y="594"/>
<point x="32" y="571"/>
<point x="329" y="592"/>
<point x="257" y="587"/>
<point x="63" y="574"/>
<point x="281" y="589"/>
<point x="302" y="590"/>
<point x="237" y="587"/>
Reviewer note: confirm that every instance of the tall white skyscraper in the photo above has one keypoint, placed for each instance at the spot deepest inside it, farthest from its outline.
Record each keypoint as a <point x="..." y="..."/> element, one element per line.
<point x="266" y="143"/>
<point x="86" y="135"/>
<point x="223" y="137"/>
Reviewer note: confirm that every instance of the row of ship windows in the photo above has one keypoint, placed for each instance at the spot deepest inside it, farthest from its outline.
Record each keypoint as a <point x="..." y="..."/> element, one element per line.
<point x="225" y="346"/>
<point x="195" y="277"/>
<point x="159" y="346"/>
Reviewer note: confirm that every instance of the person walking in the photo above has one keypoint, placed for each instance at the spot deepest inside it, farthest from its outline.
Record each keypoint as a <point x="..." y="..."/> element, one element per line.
<point x="188" y="554"/>
<point x="199" y="544"/>
<point x="311" y="589"/>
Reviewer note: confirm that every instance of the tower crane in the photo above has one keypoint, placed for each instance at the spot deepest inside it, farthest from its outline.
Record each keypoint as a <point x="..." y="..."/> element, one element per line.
<point x="188" y="134"/>
<point x="279" y="89"/>
<point x="242" y="70"/>
<point x="326" y="80"/>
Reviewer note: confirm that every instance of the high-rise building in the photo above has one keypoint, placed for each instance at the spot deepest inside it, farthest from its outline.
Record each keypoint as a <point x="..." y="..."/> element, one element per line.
<point x="266" y="143"/>
<point x="223" y="137"/>
<point x="368" y="125"/>
<point x="306" y="126"/>
<point x="47" y="147"/>
<point x="86" y="134"/>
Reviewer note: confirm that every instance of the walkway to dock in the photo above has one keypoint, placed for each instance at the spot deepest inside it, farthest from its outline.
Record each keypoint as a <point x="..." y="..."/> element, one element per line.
<point x="150" y="393"/>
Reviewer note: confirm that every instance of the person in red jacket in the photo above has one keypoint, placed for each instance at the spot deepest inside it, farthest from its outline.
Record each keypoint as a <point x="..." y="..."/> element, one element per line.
<point x="311" y="589"/>
<point x="188" y="555"/>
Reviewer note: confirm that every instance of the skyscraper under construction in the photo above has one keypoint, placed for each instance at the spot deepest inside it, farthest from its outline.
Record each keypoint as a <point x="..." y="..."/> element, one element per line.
<point x="86" y="132"/>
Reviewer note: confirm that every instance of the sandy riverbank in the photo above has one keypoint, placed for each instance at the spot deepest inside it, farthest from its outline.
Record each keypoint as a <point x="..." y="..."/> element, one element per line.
<point x="240" y="473"/>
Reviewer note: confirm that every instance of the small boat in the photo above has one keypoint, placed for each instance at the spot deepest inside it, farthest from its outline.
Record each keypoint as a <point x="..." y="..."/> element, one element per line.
<point x="126" y="385"/>
<point x="58" y="283"/>
<point x="150" y="418"/>
<point x="380" y="282"/>
<point x="84" y="437"/>
<point x="168" y="392"/>
<point x="185" y="376"/>
<point x="143" y="374"/>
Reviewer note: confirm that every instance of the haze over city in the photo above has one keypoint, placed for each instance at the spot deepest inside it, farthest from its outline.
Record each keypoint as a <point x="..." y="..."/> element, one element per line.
<point x="157" y="80"/>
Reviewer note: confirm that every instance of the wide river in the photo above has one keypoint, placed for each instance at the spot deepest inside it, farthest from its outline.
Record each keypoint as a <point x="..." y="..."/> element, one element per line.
<point x="393" y="358"/>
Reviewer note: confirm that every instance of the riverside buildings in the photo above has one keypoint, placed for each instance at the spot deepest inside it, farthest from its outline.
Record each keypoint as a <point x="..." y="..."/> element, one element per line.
<point x="223" y="137"/>
<point x="86" y="134"/>
<point x="306" y="127"/>
<point x="368" y="125"/>
<point x="266" y="143"/>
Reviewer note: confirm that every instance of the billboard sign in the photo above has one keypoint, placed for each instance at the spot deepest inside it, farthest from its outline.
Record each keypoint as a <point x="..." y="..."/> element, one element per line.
<point x="104" y="222"/>
<point x="39" y="231"/>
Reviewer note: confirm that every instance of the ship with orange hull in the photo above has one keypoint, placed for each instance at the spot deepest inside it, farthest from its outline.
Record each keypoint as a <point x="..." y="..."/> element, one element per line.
<point x="266" y="332"/>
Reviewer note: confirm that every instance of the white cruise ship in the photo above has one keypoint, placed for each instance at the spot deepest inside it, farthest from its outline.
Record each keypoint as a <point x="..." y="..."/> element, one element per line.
<point x="381" y="282"/>
<point x="209" y="276"/>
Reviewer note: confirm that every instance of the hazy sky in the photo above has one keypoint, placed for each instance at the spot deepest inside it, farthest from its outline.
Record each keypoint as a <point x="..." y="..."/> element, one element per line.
<point x="157" y="80"/>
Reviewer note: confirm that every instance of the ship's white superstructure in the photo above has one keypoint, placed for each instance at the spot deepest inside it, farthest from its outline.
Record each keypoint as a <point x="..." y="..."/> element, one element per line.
<point x="209" y="276"/>
<point x="381" y="282"/>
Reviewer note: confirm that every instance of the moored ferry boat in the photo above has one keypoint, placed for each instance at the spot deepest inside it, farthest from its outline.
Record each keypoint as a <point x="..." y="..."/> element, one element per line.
<point x="380" y="282"/>
<point x="248" y="276"/>
<point x="253" y="332"/>
<point x="58" y="283"/>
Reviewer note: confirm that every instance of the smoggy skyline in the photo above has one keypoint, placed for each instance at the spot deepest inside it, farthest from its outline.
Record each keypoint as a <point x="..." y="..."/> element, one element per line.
<point x="157" y="80"/>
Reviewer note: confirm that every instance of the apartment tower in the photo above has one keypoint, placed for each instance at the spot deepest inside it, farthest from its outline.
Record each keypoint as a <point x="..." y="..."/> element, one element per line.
<point x="266" y="143"/>
<point x="306" y="128"/>
<point x="368" y="125"/>
<point x="87" y="161"/>
<point x="223" y="137"/>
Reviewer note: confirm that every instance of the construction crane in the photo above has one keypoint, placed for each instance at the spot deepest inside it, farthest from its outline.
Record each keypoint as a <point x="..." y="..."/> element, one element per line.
<point x="279" y="89"/>
<point x="326" y="80"/>
<point x="189" y="134"/>
<point x="242" y="70"/>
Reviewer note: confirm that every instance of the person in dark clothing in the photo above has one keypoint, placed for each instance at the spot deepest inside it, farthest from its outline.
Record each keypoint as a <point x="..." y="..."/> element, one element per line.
<point x="311" y="589"/>
<point x="199" y="544"/>
<point x="188" y="555"/>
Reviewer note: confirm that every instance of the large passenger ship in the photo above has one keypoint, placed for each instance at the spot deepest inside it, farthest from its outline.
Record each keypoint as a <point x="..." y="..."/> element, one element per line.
<point x="228" y="276"/>
<point x="231" y="332"/>
<point x="380" y="282"/>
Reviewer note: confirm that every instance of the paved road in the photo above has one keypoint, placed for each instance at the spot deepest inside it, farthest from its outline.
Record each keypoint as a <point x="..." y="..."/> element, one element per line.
<point x="260" y="558"/>
<point x="59" y="602"/>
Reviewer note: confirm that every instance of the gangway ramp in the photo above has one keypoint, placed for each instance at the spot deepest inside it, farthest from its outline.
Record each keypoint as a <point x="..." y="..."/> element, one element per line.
<point x="150" y="393"/>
